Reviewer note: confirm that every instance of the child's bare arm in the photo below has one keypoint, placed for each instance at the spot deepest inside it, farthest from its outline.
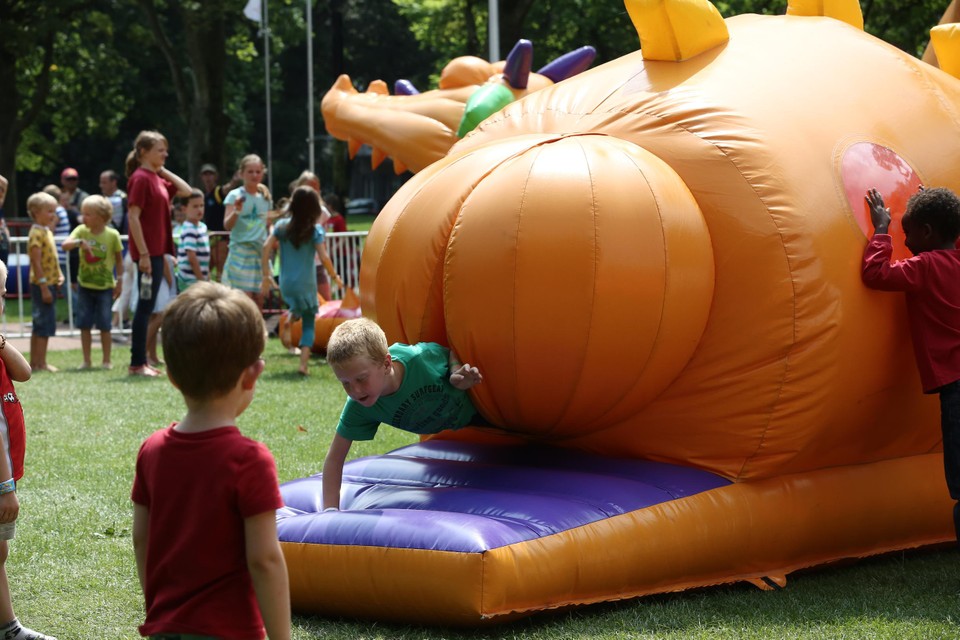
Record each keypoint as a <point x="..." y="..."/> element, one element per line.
<point x="268" y="570"/>
<point x="167" y="273"/>
<point x="17" y="366"/>
<point x="141" y="525"/>
<point x="9" y="503"/>
<point x="879" y="214"/>
<point x="195" y="264"/>
<point x="183" y="188"/>
<point x="71" y="243"/>
<point x="463" y="376"/>
<point x="328" y="263"/>
<point x="267" y="282"/>
<point x="333" y="471"/>
<point x="118" y="288"/>
<point x="37" y="264"/>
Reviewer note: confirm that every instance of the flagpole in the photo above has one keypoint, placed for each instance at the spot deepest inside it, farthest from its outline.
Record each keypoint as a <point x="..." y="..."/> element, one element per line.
<point x="266" y="68"/>
<point x="493" y="29"/>
<point x="310" y="133"/>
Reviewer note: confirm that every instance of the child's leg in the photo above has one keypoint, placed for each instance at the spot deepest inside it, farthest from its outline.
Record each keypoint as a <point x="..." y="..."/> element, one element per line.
<point x="85" y="344"/>
<point x="106" y="342"/>
<point x="153" y="328"/>
<point x="34" y="346"/>
<point x="304" y="360"/>
<point x="41" y="356"/>
<point x="6" y="604"/>
<point x="307" y="336"/>
<point x="950" y="424"/>
<point x="101" y="318"/>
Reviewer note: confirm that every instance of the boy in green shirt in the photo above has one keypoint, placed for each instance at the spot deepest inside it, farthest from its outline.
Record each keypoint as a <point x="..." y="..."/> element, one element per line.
<point x="100" y="252"/>
<point x="419" y="388"/>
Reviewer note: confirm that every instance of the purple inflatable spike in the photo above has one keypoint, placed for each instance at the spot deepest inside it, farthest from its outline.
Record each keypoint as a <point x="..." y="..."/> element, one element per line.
<point x="517" y="70"/>
<point x="569" y="64"/>
<point x="404" y="88"/>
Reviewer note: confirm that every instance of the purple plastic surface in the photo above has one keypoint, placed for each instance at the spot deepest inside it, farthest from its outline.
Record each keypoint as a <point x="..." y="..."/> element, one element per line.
<point x="518" y="64"/>
<point x="468" y="497"/>
<point x="405" y="88"/>
<point x="569" y="64"/>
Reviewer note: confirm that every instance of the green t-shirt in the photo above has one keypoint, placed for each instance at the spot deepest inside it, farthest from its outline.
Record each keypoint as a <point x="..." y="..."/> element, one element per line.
<point x="426" y="402"/>
<point x="97" y="262"/>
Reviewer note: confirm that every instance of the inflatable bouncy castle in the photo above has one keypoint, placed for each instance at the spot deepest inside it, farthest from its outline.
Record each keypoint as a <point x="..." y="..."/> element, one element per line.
<point x="656" y="266"/>
<point x="416" y="129"/>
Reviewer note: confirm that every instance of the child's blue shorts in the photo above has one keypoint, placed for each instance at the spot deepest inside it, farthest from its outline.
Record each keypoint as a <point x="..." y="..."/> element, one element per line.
<point x="94" y="308"/>
<point x="44" y="315"/>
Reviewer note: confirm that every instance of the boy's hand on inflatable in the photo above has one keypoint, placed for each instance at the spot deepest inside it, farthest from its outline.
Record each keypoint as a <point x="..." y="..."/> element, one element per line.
<point x="465" y="377"/>
<point x="879" y="214"/>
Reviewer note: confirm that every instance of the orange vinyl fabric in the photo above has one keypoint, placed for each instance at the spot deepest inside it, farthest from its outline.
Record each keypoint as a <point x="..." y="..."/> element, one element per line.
<point x="659" y="259"/>
<point x="745" y="531"/>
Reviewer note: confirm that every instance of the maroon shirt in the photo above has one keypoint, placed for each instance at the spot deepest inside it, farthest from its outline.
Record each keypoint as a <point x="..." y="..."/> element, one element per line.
<point x="199" y="489"/>
<point x="152" y="194"/>
<point x="931" y="281"/>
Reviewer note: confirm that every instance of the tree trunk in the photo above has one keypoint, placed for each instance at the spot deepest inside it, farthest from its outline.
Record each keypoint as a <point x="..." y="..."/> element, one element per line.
<point x="512" y="18"/>
<point x="12" y="122"/>
<point x="198" y="84"/>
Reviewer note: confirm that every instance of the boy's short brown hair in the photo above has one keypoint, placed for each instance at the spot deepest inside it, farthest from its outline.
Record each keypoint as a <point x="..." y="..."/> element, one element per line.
<point x="38" y="200"/>
<point x="359" y="337"/>
<point x="210" y="335"/>
<point x="98" y="205"/>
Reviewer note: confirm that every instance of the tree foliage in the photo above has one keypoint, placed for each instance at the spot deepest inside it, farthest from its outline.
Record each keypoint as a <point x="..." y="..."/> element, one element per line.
<point x="81" y="77"/>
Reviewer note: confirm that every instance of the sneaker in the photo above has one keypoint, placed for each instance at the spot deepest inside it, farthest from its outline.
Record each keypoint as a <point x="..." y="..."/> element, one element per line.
<point x="144" y="370"/>
<point x="106" y="366"/>
<point x="16" y="630"/>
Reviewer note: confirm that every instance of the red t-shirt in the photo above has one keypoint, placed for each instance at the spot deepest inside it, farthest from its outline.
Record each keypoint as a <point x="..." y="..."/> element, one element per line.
<point x="931" y="281"/>
<point x="336" y="224"/>
<point x="199" y="488"/>
<point x="15" y="435"/>
<point x="152" y="194"/>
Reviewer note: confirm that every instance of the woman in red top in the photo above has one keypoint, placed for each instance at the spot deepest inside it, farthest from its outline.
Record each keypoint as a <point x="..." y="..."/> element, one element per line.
<point x="150" y="188"/>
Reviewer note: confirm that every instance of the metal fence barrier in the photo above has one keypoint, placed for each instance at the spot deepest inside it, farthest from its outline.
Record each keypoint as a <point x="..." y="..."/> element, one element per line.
<point x="344" y="249"/>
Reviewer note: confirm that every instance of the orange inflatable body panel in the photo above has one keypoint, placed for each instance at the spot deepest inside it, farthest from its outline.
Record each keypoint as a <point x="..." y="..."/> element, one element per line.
<point x="660" y="261"/>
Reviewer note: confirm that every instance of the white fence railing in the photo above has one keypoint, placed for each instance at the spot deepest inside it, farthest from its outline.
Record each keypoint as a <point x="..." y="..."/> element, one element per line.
<point x="344" y="250"/>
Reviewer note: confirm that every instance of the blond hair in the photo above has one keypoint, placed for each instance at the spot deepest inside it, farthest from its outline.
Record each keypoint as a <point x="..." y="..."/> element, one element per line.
<point x="145" y="141"/>
<point x="98" y="205"/>
<point x="359" y="337"/>
<point x="210" y="335"/>
<point x="38" y="201"/>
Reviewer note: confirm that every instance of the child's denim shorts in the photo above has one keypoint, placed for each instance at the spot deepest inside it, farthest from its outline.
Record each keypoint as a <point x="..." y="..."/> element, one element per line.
<point x="94" y="308"/>
<point x="44" y="315"/>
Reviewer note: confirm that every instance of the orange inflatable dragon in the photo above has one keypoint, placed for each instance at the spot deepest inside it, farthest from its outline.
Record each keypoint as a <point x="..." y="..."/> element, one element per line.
<point x="659" y="260"/>
<point x="416" y="129"/>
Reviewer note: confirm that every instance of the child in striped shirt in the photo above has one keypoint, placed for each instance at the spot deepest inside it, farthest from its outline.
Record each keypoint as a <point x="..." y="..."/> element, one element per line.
<point x="193" y="254"/>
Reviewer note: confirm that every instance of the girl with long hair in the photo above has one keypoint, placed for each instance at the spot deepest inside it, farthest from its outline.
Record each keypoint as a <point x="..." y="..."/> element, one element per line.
<point x="150" y="188"/>
<point x="298" y="238"/>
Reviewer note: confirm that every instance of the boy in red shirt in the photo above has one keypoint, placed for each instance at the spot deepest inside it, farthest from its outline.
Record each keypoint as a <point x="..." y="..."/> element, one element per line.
<point x="205" y="496"/>
<point x="931" y="281"/>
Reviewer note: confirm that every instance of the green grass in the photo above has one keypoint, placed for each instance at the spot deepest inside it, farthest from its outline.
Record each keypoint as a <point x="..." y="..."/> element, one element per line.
<point x="358" y="222"/>
<point x="72" y="571"/>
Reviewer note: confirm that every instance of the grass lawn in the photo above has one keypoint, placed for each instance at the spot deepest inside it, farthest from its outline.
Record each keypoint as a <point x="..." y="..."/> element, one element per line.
<point x="72" y="571"/>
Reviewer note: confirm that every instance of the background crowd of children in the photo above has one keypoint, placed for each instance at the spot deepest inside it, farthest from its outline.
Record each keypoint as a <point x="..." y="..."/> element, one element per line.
<point x="178" y="235"/>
